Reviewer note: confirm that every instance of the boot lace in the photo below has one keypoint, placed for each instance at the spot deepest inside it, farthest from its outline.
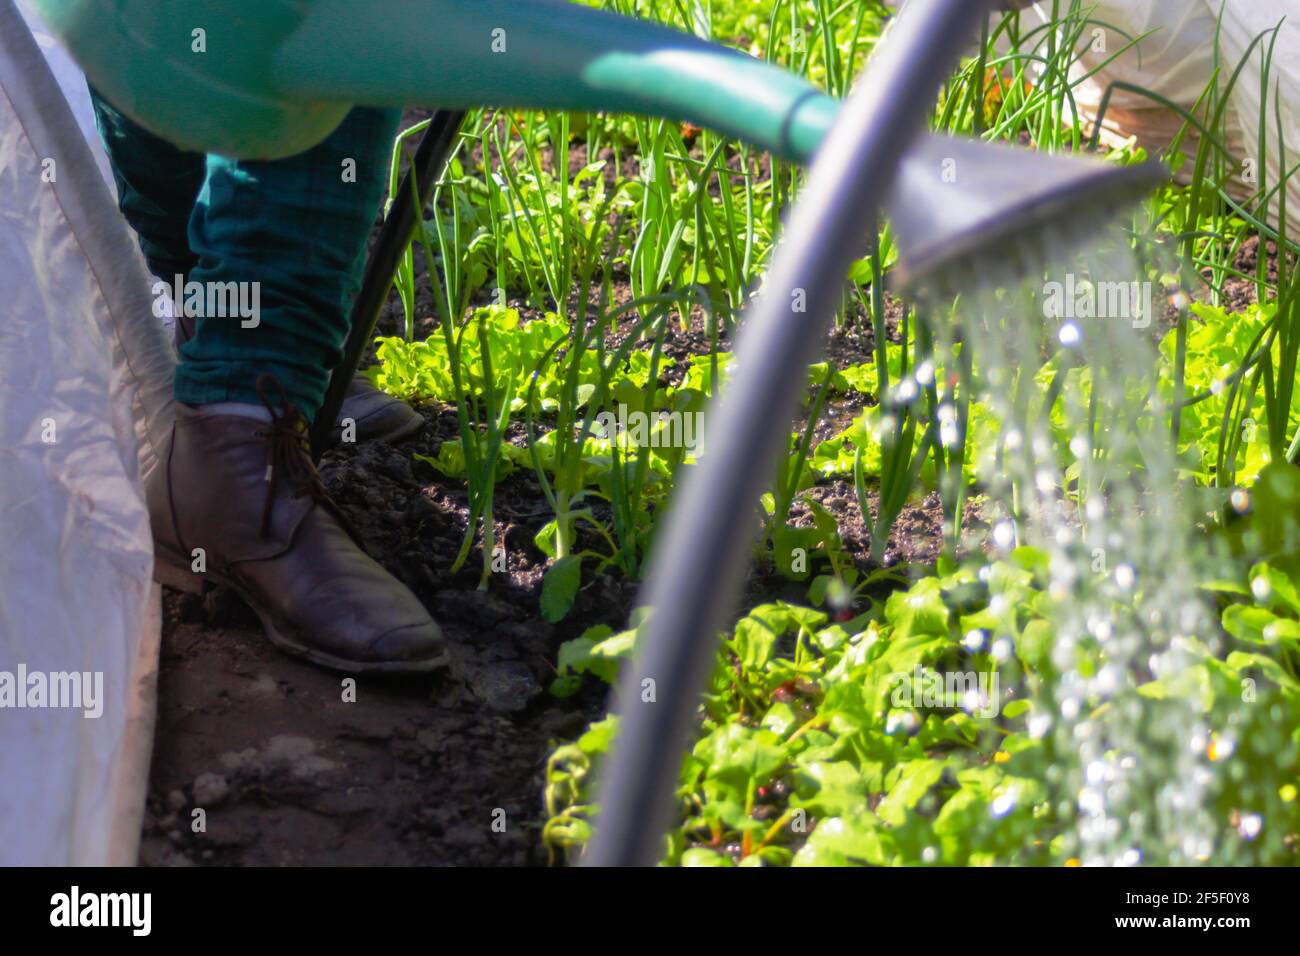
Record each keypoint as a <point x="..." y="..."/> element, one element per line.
<point x="288" y="451"/>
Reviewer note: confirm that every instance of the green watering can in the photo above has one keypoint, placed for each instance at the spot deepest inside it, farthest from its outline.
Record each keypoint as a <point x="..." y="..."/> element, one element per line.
<point x="270" y="78"/>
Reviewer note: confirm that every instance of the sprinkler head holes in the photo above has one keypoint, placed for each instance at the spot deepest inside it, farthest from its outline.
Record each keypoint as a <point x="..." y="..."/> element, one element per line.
<point x="968" y="214"/>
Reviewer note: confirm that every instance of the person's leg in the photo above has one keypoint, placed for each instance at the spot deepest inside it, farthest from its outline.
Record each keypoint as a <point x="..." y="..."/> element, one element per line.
<point x="156" y="188"/>
<point x="237" y="499"/>
<point x="292" y="233"/>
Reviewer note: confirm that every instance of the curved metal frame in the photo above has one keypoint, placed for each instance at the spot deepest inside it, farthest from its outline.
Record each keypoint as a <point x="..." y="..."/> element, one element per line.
<point x="700" y="559"/>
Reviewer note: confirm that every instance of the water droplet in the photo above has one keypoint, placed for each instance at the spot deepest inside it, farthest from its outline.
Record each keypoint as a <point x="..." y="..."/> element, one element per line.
<point x="1004" y="804"/>
<point x="901" y="722"/>
<point x="1004" y="534"/>
<point x="1091" y="802"/>
<point x="1220" y="748"/>
<point x="1107" y="681"/>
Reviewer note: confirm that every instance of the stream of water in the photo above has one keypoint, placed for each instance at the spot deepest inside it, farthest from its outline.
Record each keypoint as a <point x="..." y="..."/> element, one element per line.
<point x="1094" y="483"/>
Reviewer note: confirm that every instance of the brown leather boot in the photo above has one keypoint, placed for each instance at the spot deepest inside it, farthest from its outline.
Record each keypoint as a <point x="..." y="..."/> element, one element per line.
<point x="378" y="416"/>
<point x="238" y="502"/>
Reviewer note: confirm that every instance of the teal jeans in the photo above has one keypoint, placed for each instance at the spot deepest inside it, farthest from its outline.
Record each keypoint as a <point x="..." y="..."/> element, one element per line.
<point x="268" y="255"/>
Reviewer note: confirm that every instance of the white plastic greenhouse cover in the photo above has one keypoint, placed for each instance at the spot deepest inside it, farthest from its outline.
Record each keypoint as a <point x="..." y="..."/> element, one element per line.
<point x="1177" y="60"/>
<point x="85" y="387"/>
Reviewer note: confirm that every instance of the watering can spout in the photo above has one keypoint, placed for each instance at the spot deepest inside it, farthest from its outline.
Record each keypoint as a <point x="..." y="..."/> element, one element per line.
<point x="220" y="76"/>
<point x="547" y="55"/>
